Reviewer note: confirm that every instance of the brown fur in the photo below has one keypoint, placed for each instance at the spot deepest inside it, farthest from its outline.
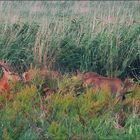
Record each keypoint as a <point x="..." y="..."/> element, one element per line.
<point x="7" y="75"/>
<point x="115" y="85"/>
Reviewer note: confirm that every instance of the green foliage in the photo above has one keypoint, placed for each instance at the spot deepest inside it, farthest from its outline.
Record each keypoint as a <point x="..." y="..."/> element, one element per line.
<point x="16" y="44"/>
<point x="84" y="41"/>
<point x="68" y="36"/>
<point x="69" y="56"/>
<point x="66" y="113"/>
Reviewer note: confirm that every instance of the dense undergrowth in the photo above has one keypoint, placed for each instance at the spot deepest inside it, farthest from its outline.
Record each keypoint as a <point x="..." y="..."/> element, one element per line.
<point x="106" y="52"/>
<point x="72" y="112"/>
<point x="103" y="37"/>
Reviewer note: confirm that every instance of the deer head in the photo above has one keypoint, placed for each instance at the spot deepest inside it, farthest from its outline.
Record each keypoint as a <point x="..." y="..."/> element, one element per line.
<point x="7" y="72"/>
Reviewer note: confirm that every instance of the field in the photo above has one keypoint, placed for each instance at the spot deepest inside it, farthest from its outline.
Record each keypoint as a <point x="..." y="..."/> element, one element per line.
<point x="67" y="37"/>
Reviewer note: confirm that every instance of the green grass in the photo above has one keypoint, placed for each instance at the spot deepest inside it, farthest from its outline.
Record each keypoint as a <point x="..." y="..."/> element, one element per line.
<point x="68" y="36"/>
<point x="64" y="115"/>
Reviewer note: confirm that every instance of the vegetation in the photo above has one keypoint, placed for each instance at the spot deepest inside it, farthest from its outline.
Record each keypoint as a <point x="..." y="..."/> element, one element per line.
<point x="102" y="37"/>
<point x="72" y="112"/>
<point x="68" y="36"/>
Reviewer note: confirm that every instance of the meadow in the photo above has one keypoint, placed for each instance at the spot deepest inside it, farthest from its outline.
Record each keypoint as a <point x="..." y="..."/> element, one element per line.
<point x="67" y="36"/>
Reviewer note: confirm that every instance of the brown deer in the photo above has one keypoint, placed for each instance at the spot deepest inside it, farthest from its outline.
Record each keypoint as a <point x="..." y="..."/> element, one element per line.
<point x="115" y="85"/>
<point x="7" y="76"/>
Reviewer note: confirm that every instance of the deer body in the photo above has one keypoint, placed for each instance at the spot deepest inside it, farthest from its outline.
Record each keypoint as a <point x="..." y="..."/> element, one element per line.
<point x="97" y="81"/>
<point x="4" y="83"/>
<point x="7" y="76"/>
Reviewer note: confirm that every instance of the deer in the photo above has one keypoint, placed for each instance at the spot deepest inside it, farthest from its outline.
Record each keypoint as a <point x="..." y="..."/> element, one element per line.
<point x="115" y="85"/>
<point x="44" y="74"/>
<point x="7" y="76"/>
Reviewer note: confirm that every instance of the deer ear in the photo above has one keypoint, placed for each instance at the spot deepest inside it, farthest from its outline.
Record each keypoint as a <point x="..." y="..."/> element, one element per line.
<point x="4" y="70"/>
<point x="25" y="76"/>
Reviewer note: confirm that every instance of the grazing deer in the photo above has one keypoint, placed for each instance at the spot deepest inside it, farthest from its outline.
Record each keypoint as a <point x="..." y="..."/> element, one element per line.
<point x="7" y="76"/>
<point x="115" y="85"/>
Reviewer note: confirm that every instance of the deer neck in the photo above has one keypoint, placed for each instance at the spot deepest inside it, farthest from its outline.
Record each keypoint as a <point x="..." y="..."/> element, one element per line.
<point x="4" y="78"/>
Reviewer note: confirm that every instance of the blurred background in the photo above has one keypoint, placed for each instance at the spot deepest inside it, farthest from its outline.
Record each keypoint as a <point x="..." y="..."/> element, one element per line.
<point x="72" y="35"/>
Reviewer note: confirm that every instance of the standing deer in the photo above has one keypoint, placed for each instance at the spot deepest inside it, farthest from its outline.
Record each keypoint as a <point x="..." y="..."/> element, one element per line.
<point x="115" y="85"/>
<point x="7" y="76"/>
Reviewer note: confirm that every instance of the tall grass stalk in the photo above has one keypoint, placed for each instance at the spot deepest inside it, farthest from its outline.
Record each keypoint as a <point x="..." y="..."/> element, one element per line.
<point x="102" y="36"/>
